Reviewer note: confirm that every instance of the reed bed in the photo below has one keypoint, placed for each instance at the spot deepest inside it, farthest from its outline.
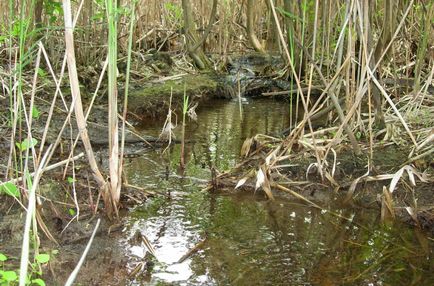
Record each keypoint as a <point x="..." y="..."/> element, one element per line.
<point x="374" y="60"/>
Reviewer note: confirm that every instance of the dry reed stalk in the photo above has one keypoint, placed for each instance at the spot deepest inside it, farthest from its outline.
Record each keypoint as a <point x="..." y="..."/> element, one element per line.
<point x="329" y="88"/>
<point x="398" y="29"/>
<point x="317" y="155"/>
<point x="53" y="102"/>
<point x="47" y="168"/>
<point x="74" y="273"/>
<point x="293" y="135"/>
<point x="89" y="108"/>
<point x="254" y="41"/>
<point x="29" y="218"/>
<point x="28" y="116"/>
<point x="335" y="101"/>
<point x="113" y="131"/>
<point x="14" y="108"/>
<point x="389" y="100"/>
<point x="78" y="107"/>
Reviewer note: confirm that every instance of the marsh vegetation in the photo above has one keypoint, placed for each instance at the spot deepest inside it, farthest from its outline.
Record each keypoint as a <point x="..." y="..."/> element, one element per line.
<point x="216" y="142"/>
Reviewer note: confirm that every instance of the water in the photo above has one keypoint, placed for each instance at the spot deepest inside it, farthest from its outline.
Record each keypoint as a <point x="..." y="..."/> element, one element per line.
<point x="246" y="239"/>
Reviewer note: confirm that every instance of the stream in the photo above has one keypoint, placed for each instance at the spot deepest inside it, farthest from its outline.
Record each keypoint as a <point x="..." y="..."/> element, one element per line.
<point x="245" y="239"/>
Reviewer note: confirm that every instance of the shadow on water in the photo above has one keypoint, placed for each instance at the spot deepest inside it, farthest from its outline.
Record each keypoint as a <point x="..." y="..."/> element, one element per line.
<point x="247" y="240"/>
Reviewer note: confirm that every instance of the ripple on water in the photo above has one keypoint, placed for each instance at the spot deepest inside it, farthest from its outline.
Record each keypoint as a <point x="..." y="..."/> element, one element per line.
<point x="251" y="241"/>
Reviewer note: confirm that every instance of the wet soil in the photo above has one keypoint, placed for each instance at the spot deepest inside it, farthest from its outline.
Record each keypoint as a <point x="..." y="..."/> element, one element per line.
<point x="223" y="238"/>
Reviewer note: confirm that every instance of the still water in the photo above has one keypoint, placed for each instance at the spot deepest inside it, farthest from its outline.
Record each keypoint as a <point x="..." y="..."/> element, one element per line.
<point x="245" y="239"/>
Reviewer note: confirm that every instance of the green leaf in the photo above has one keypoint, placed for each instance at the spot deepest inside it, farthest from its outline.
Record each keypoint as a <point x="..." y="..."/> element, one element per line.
<point x="35" y="112"/>
<point x="71" y="180"/>
<point x="39" y="282"/>
<point x="98" y="16"/>
<point x="42" y="258"/>
<point x="9" y="276"/>
<point x="288" y="14"/>
<point x="42" y="73"/>
<point x="72" y="212"/>
<point x="3" y="257"/>
<point x="26" y="144"/>
<point x="10" y="189"/>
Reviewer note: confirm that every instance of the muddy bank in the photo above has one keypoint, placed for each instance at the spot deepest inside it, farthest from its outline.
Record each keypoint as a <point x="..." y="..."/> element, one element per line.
<point x="104" y="263"/>
<point x="252" y="75"/>
<point x="154" y="98"/>
<point x="64" y="236"/>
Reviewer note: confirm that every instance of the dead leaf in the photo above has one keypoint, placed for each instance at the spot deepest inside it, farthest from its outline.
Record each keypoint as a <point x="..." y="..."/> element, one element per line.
<point x="353" y="186"/>
<point x="245" y="149"/>
<point x="412" y="214"/>
<point x="260" y="178"/>
<point x="241" y="182"/>
<point x="411" y="171"/>
<point x="262" y="181"/>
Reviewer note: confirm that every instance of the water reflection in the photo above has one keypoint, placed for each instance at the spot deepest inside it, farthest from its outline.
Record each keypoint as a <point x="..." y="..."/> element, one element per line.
<point x="249" y="240"/>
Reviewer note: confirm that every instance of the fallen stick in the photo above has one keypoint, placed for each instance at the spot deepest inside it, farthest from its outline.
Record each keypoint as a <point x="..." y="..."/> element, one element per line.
<point x="74" y="273"/>
<point x="285" y="92"/>
<point x="192" y="250"/>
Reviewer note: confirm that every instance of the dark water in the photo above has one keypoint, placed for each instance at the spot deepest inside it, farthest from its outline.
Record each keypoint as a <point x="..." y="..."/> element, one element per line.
<point x="247" y="239"/>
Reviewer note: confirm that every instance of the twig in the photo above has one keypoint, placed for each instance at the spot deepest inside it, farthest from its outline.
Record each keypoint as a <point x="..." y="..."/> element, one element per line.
<point x="193" y="250"/>
<point x="292" y="91"/>
<point x="74" y="273"/>
<point x="140" y="189"/>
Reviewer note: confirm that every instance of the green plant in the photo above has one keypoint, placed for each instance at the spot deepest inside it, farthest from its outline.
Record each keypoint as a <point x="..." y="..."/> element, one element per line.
<point x="26" y="144"/>
<point x="174" y="12"/>
<point x="35" y="112"/>
<point x="53" y="10"/>
<point x="9" y="189"/>
<point x="72" y="212"/>
<point x="6" y="276"/>
<point x="10" y="277"/>
<point x="70" y="180"/>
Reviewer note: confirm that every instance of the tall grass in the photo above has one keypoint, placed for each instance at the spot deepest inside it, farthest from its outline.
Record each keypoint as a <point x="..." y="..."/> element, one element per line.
<point x="184" y="117"/>
<point x="127" y="86"/>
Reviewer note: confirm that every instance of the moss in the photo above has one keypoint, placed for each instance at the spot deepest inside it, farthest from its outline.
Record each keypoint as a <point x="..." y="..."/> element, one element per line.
<point x="153" y="99"/>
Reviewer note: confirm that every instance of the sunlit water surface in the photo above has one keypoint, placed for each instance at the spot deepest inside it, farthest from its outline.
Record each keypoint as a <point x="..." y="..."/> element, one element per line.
<point x="246" y="239"/>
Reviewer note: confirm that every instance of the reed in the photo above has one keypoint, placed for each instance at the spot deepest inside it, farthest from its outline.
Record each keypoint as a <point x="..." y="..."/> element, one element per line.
<point x="127" y="86"/>
<point x="345" y="45"/>
<point x="345" y="28"/>
<point x="113" y="131"/>
<point x="184" y="115"/>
